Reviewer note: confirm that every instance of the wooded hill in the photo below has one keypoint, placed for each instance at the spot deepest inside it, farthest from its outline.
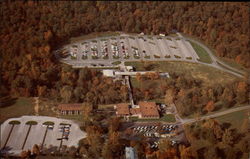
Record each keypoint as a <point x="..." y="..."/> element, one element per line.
<point x="29" y="31"/>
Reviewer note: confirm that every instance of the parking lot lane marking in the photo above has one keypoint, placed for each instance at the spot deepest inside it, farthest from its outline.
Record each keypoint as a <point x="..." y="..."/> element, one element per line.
<point x="157" y="46"/>
<point x="35" y="136"/>
<point x="9" y="135"/>
<point x="139" y="48"/>
<point x="51" y="137"/>
<point x="62" y="138"/>
<point x="109" y="49"/>
<point x="26" y="136"/>
<point x="44" y="137"/>
<point x="17" y="136"/>
<point x="119" y="48"/>
<point x="5" y="129"/>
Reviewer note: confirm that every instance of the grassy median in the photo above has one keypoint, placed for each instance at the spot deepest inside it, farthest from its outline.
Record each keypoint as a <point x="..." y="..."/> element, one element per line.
<point x="201" y="52"/>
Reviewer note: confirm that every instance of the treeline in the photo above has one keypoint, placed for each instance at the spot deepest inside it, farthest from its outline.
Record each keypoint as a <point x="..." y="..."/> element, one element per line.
<point x="204" y="100"/>
<point x="68" y="85"/>
<point x="30" y="30"/>
<point x="190" y="95"/>
<point x="221" y="140"/>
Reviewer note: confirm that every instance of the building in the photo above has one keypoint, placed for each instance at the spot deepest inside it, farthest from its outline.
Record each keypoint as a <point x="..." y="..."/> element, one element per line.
<point x="130" y="153"/>
<point x="142" y="110"/>
<point x="149" y="110"/>
<point x="122" y="109"/>
<point x="70" y="109"/>
<point x="109" y="73"/>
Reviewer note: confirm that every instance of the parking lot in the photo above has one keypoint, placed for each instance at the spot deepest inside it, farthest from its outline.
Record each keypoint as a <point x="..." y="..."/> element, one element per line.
<point x="104" y="51"/>
<point x="33" y="130"/>
<point x="153" y="132"/>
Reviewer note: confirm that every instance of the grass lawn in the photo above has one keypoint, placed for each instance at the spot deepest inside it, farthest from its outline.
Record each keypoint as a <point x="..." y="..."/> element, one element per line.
<point x="201" y="52"/>
<point x="192" y="70"/>
<point x="72" y="117"/>
<point x="93" y="35"/>
<point x="106" y="106"/>
<point x="233" y="64"/>
<point x="230" y="62"/>
<point x="22" y="106"/>
<point x="235" y="118"/>
<point x="116" y="63"/>
<point x="222" y="65"/>
<point x="166" y="118"/>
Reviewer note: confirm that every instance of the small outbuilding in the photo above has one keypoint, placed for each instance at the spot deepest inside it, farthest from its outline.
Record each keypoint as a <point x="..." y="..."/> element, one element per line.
<point x="70" y="109"/>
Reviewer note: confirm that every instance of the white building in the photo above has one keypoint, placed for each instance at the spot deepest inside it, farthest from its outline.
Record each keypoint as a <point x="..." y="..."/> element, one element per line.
<point x="130" y="153"/>
<point x="109" y="73"/>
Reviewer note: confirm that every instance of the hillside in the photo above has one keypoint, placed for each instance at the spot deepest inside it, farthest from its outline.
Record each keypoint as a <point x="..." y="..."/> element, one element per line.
<point x="31" y="30"/>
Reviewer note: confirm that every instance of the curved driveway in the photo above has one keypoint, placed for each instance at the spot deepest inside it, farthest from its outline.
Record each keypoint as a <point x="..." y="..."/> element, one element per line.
<point x="215" y="60"/>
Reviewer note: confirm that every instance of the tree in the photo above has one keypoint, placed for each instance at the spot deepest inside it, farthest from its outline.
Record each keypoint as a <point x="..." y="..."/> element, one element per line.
<point x="245" y="125"/>
<point x="186" y="152"/>
<point x="169" y="97"/>
<point x="25" y="154"/>
<point x="211" y="152"/>
<point x="114" y="124"/>
<point x="66" y="93"/>
<point x="210" y="106"/>
<point x="244" y="145"/>
<point x="242" y="92"/>
<point x="95" y="140"/>
<point x="227" y="138"/>
<point x="36" y="150"/>
<point x="138" y="77"/>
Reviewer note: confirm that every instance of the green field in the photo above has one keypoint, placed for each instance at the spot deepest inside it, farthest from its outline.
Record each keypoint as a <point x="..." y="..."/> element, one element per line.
<point x="22" y="106"/>
<point x="201" y="52"/>
<point x="229" y="62"/>
<point x="233" y="64"/>
<point x="72" y="117"/>
<point x="116" y="63"/>
<point x="223" y="66"/>
<point x="235" y="118"/>
<point x="93" y="35"/>
<point x="191" y="70"/>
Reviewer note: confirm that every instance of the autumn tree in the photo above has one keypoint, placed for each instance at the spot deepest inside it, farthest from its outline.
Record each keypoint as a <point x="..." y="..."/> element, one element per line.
<point x="242" y="92"/>
<point x="169" y="97"/>
<point x="227" y="138"/>
<point x="66" y="93"/>
<point x="36" y="150"/>
<point x="210" y="106"/>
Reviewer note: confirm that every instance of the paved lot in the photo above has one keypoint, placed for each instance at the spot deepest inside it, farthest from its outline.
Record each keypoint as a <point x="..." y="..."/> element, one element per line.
<point x="137" y="47"/>
<point x="155" y="131"/>
<point x="16" y="142"/>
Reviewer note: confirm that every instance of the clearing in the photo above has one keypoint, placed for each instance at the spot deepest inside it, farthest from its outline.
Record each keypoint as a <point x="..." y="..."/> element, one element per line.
<point x="22" y="106"/>
<point x="210" y="76"/>
<point x="201" y="52"/>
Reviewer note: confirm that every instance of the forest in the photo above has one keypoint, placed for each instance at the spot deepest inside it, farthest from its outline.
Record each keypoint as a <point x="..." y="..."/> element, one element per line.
<point x="31" y="30"/>
<point x="188" y="94"/>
